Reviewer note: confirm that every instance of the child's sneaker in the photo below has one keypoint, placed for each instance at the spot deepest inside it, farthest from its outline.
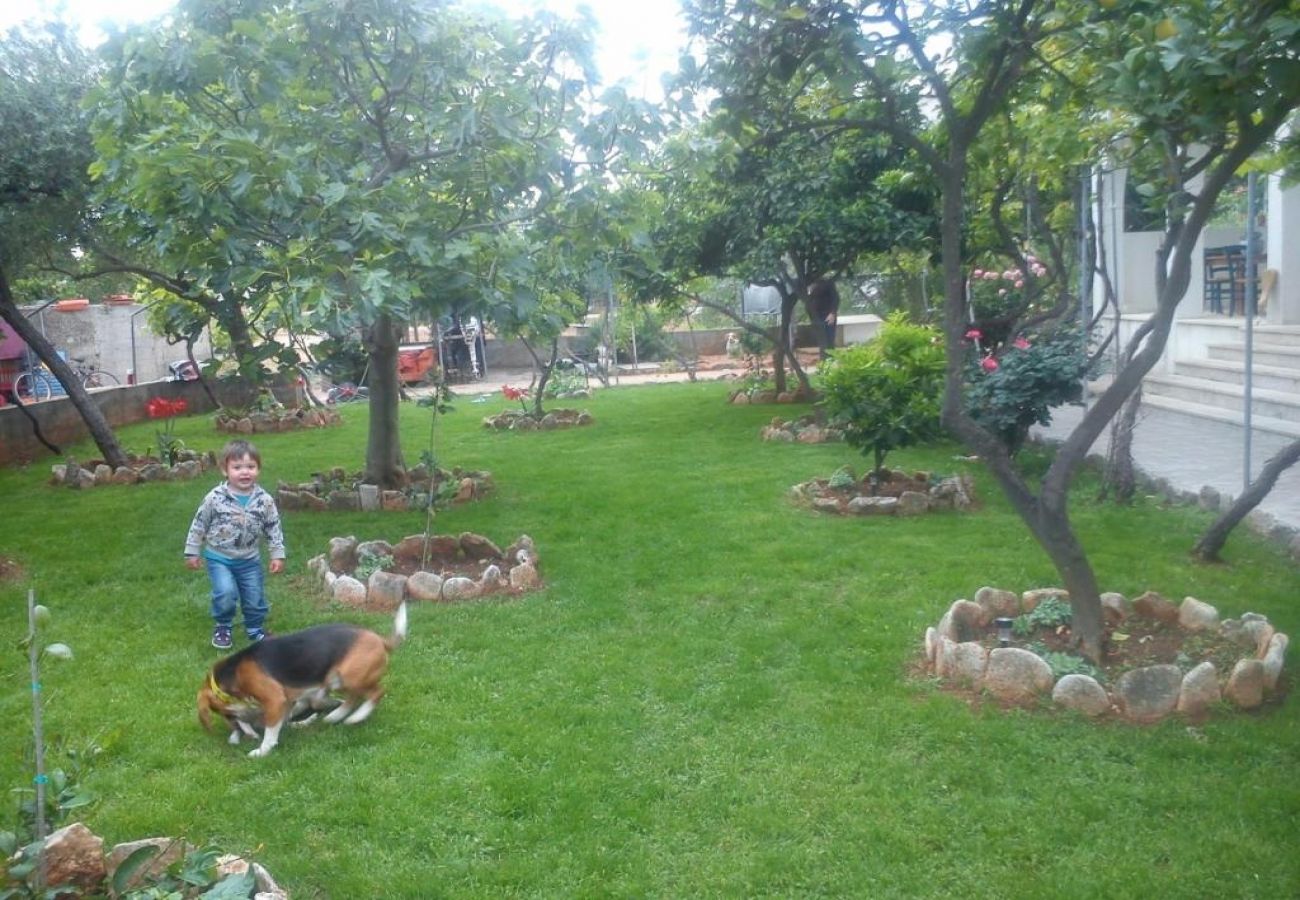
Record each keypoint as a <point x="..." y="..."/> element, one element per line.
<point x="256" y="637"/>
<point x="221" y="637"/>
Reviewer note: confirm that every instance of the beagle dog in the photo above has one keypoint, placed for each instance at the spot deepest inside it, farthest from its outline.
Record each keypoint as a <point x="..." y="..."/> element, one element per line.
<point x="290" y="677"/>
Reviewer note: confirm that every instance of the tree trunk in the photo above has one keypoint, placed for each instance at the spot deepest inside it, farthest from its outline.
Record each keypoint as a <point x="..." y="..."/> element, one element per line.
<point x="100" y="431"/>
<point x="1119" y="480"/>
<point x="1208" y="547"/>
<point x="384" y="465"/>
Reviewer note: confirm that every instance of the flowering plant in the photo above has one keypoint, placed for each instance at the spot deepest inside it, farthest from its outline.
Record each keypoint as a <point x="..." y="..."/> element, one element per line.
<point x="1011" y="387"/>
<point x="513" y="393"/>
<point x="169" y="446"/>
<point x="997" y="299"/>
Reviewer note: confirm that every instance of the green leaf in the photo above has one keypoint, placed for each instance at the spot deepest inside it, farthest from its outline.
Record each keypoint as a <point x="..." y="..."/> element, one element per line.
<point x="127" y="869"/>
<point x="232" y="887"/>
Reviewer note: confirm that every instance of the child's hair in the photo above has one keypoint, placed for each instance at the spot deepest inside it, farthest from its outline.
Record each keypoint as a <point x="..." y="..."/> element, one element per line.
<point x="238" y="449"/>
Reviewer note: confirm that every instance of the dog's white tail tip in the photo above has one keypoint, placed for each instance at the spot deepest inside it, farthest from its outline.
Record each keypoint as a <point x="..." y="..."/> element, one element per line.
<point x="399" y="623"/>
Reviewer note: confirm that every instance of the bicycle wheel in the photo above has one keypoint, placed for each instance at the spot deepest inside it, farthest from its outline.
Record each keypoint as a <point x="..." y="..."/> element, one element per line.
<point x="97" y="378"/>
<point x="32" y="387"/>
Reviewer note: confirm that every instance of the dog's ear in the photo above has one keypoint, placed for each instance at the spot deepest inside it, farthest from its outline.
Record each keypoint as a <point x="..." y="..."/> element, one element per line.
<point x="205" y="708"/>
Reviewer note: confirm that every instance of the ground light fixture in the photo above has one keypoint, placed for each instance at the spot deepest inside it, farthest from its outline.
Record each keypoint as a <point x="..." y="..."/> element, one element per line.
<point x="1004" y="630"/>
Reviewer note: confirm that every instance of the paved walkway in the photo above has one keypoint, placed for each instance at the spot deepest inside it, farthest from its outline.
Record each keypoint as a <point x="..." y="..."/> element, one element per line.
<point x="1187" y="451"/>
<point x="1192" y="453"/>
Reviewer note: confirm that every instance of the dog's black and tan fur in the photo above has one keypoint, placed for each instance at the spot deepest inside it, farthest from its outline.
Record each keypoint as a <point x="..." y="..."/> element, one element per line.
<point x="276" y="679"/>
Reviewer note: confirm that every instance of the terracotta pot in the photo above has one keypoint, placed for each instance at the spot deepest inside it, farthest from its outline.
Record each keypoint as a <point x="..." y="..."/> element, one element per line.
<point x="72" y="304"/>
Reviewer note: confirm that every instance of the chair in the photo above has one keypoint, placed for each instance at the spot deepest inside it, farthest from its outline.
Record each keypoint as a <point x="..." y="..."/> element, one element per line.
<point x="1224" y="269"/>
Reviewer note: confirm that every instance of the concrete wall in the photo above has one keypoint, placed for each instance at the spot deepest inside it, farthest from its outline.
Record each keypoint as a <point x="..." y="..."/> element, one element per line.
<point x="114" y="337"/>
<point x="62" y="424"/>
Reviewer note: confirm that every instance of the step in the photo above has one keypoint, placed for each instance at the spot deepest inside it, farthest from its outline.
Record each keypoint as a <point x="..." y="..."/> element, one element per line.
<point x="1282" y="356"/>
<point x="1272" y="404"/>
<point x="1271" y="378"/>
<point x="1218" y="414"/>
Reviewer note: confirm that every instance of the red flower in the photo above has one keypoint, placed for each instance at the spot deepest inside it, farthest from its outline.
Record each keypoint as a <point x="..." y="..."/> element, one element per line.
<point x="989" y="364"/>
<point x="512" y="393"/>
<point x="162" y="408"/>
<point x="1020" y="344"/>
<point x="974" y="334"/>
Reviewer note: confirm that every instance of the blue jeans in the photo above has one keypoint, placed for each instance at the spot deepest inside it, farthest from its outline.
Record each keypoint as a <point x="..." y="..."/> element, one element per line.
<point x="238" y="580"/>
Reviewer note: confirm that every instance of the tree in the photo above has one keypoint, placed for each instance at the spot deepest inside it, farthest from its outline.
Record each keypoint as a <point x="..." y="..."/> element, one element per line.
<point x="353" y="186"/>
<point x="970" y="63"/>
<point x="43" y="187"/>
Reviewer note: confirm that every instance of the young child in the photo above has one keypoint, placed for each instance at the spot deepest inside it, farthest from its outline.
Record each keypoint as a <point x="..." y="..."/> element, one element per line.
<point x="226" y="534"/>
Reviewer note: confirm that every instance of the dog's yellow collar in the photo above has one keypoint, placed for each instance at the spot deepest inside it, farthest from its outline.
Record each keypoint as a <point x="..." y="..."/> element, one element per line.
<point x="217" y="691"/>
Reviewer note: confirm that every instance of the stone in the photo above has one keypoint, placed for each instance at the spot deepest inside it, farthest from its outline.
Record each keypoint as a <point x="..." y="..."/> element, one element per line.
<point x="1199" y="690"/>
<point x="830" y="504"/>
<point x="1081" y="693"/>
<point x="963" y="621"/>
<point x="319" y="566"/>
<point x="125" y="475"/>
<point x="1208" y="498"/>
<point x="1273" y="659"/>
<point x="525" y="577"/>
<point x="373" y="550"/>
<point x="1015" y="675"/>
<point x="169" y="851"/>
<point x="1194" y="615"/>
<point x="312" y="502"/>
<point x="966" y="663"/>
<point x="1114" y="608"/>
<point x="1150" y="693"/>
<point x="912" y="503"/>
<point x="1245" y="688"/>
<point x="369" y="495"/>
<point x="942" y="654"/>
<point x="1155" y="607"/>
<point x="348" y="591"/>
<point x="931" y="645"/>
<point x="188" y="470"/>
<point x="385" y="590"/>
<point x="1029" y="600"/>
<point x="522" y="550"/>
<point x="997" y="603"/>
<point x="873" y="506"/>
<point x="393" y="501"/>
<point x="478" y="547"/>
<point x="344" y="501"/>
<point x="103" y="474"/>
<point x="459" y="588"/>
<point x="424" y="586"/>
<point x="74" y="856"/>
<point x="263" y="884"/>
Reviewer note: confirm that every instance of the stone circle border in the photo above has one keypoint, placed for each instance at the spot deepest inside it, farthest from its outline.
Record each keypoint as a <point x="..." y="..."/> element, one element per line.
<point x="1143" y="695"/>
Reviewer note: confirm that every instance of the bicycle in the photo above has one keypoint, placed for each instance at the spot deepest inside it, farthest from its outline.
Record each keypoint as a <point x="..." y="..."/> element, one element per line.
<point x="38" y="382"/>
<point x="346" y="392"/>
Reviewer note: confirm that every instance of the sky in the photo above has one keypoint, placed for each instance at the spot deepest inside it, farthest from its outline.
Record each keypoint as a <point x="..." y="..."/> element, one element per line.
<point x="638" y="39"/>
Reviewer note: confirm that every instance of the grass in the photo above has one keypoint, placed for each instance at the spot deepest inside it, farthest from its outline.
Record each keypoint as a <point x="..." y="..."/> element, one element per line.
<point x="711" y="697"/>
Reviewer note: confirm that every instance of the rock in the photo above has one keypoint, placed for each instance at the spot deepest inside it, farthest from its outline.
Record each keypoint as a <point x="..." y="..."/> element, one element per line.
<point x="1208" y="498"/>
<point x="1029" y="600"/>
<point x="319" y="566"/>
<point x="830" y="504"/>
<point x="385" y="590"/>
<point x="942" y="654"/>
<point x="931" y="645"/>
<point x="962" y="622"/>
<point x="1081" y="693"/>
<point x="74" y="856"/>
<point x="1246" y="684"/>
<point x="344" y="500"/>
<point x="478" y="547"/>
<point x="1199" y="690"/>
<point x="1114" y="608"/>
<point x="424" y="586"/>
<point x="188" y="470"/>
<point x="912" y="503"/>
<point x="264" y="885"/>
<point x="169" y="851"/>
<point x="1014" y="675"/>
<point x="103" y="474"/>
<point x="525" y="577"/>
<point x="1150" y="693"/>
<point x="966" y="663"/>
<point x="374" y="550"/>
<point x="1194" y="615"/>
<point x="343" y="554"/>
<point x="1273" y="659"/>
<point x="873" y="506"/>
<point x="393" y="501"/>
<point x="522" y="550"/>
<point x="125" y="475"/>
<point x="1155" y="607"/>
<point x="348" y="591"/>
<point x="369" y="496"/>
<point x="459" y="588"/>
<point x="997" y="603"/>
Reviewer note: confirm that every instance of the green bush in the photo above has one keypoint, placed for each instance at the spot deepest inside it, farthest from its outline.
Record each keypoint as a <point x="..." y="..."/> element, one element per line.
<point x="1017" y="386"/>
<point x="887" y="392"/>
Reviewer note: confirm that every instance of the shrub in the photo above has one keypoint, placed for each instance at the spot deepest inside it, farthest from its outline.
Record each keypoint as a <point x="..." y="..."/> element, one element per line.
<point x="886" y="393"/>
<point x="1018" y="385"/>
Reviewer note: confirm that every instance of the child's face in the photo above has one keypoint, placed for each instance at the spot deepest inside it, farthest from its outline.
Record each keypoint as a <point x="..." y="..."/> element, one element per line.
<point x="241" y="473"/>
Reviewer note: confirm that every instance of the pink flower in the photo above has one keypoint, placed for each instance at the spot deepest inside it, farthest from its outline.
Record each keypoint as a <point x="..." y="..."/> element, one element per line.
<point x="1019" y="284"/>
<point x="1020" y="344"/>
<point x="991" y="276"/>
<point x="989" y="364"/>
<point x="976" y="273"/>
<point x="974" y="334"/>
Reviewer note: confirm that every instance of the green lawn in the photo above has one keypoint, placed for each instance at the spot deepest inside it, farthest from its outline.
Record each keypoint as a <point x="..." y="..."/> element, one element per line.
<point x="712" y="697"/>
